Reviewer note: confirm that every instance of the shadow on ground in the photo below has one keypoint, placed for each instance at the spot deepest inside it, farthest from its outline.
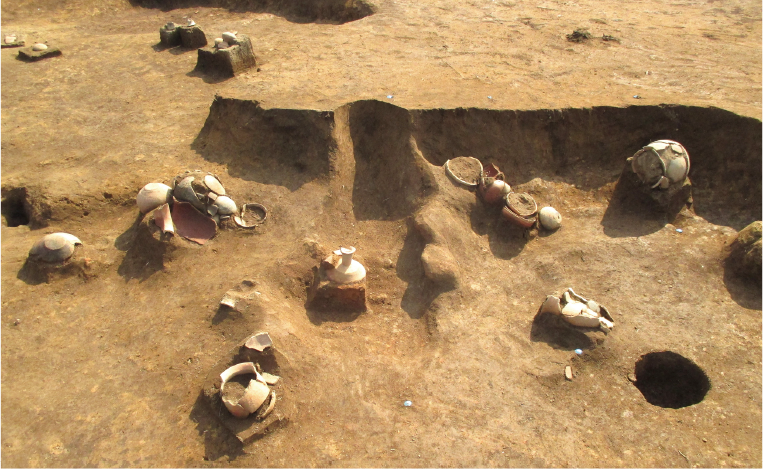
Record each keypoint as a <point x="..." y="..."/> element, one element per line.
<point x="551" y="329"/>
<point x="218" y="442"/>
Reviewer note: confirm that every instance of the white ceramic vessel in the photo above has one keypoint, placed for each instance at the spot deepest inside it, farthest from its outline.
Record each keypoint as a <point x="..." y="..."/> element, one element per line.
<point x="349" y="270"/>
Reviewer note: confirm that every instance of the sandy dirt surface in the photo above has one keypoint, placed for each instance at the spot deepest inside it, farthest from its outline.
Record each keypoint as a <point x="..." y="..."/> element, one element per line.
<point x="342" y="131"/>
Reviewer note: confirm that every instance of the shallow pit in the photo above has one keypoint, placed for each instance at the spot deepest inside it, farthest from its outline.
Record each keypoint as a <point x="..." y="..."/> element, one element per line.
<point x="15" y="208"/>
<point x="667" y="379"/>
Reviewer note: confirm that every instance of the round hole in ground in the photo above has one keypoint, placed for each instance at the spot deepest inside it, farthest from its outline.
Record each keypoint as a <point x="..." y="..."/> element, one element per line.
<point x="14" y="208"/>
<point x="667" y="379"/>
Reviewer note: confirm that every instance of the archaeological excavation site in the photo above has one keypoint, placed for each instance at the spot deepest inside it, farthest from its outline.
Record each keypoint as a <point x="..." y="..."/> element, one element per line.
<point x="381" y="233"/>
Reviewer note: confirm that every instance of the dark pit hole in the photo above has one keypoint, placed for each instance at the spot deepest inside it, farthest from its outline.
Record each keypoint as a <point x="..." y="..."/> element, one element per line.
<point x="667" y="379"/>
<point x="14" y="207"/>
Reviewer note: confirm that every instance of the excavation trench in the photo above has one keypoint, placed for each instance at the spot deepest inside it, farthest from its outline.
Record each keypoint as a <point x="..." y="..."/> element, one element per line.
<point x="373" y="162"/>
<point x="297" y="11"/>
<point x="390" y="152"/>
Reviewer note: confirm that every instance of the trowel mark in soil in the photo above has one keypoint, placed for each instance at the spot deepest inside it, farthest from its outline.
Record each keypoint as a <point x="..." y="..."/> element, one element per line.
<point x="667" y="379"/>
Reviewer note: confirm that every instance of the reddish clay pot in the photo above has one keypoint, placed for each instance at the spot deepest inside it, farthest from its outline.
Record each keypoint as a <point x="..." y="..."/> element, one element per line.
<point x="525" y="222"/>
<point x="493" y="190"/>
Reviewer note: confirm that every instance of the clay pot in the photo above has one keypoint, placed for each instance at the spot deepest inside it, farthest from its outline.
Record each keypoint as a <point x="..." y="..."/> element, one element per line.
<point x="229" y="37"/>
<point x="225" y="205"/>
<point x="214" y="184"/>
<point x="524" y="222"/>
<point x="39" y="47"/>
<point x="55" y="247"/>
<point x="493" y="190"/>
<point x="549" y="218"/>
<point x="349" y="270"/>
<point x="153" y="196"/>
<point x="522" y="204"/>
<point x="661" y="163"/>
<point x="254" y="396"/>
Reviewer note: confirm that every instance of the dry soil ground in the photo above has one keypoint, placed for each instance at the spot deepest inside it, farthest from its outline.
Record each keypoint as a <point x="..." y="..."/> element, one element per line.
<point x="106" y="367"/>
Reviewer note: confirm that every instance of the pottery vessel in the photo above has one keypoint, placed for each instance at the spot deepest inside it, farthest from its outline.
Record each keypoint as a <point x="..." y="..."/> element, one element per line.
<point x="229" y="37"/>
<point x="549" y="218"/>
<point x="153" y="195"/>
<point x="54" y="248"/>
<point x="349" y="270"/>
<point x="493" y="190"/>
<point x="661" y="163"/>
<point x="509" y="215"/>
<point x="225" y="205"/>
<point x="254" y="396"/>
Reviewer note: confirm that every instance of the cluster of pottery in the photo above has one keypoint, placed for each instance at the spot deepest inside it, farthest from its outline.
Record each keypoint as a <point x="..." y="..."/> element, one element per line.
<point x="203" y="191"/>
<point x="227" y="40"/>
<point x="518" y="207"/>
<point x="578" y="311"/>
<point x="661" y="163"/>
<point x="54" y="248"/>
<point x="170" y="26"/>
<point x="257" y="391"/>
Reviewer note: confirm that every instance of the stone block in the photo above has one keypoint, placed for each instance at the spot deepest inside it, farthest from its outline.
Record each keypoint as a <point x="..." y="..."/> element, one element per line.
<point x="325" y="295"/>
<point x="13" y="44"/>
<point x="227" y="62"/>
<point x="192" y="37"/>
<point x="29" y="55"/>
<point x="169" y="37"/>
<point x="746" y="253"/>
<point x="440" y="266"/>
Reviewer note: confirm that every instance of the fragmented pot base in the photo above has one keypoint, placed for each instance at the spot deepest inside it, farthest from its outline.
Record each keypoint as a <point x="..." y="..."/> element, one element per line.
<point x="277" y="407"/>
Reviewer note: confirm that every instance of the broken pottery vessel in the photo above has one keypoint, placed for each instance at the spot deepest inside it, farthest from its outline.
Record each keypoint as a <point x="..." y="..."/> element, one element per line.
<point x="254" y="396"/>
<point x="241" y="219"/>
<point x="661" y="164"/>
<point x="578" y="311"/>
<point x="259" y="341"/>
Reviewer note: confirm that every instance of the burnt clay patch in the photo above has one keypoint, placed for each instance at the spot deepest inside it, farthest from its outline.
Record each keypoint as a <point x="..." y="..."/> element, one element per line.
<point x="667" y="379"/>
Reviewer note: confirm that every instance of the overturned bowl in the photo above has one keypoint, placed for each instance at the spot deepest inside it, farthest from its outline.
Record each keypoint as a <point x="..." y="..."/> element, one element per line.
<point x="54" y="248"/>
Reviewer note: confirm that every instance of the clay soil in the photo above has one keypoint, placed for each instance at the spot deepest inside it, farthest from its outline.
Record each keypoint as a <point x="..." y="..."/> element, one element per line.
<point x="342" y="131"/>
